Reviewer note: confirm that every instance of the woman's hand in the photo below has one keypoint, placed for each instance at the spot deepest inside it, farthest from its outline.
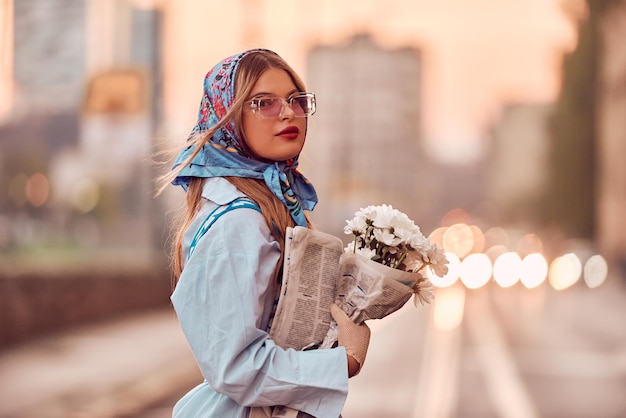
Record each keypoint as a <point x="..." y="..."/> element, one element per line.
<point x="355" y="338"/>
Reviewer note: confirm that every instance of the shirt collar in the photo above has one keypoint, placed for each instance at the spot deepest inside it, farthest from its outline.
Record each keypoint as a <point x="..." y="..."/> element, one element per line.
<point x="220" y="191"/>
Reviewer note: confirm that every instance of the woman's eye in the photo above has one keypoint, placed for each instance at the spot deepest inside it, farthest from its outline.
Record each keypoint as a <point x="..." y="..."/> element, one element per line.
<point x="300" y="102"/>
<point x="265" y="102"/>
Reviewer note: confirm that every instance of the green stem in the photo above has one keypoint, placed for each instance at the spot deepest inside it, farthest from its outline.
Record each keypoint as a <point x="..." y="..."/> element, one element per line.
<point x="401" y="259"/>
<point x="423" y="266"/>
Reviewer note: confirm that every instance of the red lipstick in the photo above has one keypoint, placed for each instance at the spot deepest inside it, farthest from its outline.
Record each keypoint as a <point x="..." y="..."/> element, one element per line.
<point x="290" y="132"/>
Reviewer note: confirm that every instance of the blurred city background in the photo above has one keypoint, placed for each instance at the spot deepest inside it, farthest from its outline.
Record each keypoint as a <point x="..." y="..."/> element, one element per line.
<point x="497" y="125"/>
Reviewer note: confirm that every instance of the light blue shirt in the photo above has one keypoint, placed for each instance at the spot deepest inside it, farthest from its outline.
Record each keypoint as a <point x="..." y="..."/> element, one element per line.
<point x="223" y="301"/>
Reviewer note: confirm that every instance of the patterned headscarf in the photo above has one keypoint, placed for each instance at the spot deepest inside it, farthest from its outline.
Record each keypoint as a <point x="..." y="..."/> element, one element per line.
<point x="223" y="154"/>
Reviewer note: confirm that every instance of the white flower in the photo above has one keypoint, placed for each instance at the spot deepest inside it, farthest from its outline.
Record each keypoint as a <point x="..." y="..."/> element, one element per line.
<point x="390" y="237"/>
<point x="367" y="213"/>
<point x="355" y="226"/>
<point x="405" y="235"/>
<point x="438" y="261"/>
<point x="366" y="252"/>
<point x="351" y="247"/>
<point x="419" y="242"/>
<point x="383" y="216"/>
<point x="404" y="222"/>
<point x="413" y="261"/>
<point x="386" y="237"/>
<point x="423" y="292"/>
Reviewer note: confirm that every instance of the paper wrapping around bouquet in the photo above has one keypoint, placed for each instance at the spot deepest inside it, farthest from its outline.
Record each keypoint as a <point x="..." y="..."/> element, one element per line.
<point x="367" y="289"/>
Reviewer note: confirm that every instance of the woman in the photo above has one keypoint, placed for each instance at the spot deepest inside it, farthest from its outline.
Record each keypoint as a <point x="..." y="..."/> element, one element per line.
<point x="239" y="168"/>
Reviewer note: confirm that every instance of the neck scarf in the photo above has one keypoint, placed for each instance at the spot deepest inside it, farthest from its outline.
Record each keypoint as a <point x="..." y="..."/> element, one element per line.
<point x="223" y="155"/>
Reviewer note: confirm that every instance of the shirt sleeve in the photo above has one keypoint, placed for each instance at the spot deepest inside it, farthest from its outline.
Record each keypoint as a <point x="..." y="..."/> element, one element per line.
<point x="219" y="302"/>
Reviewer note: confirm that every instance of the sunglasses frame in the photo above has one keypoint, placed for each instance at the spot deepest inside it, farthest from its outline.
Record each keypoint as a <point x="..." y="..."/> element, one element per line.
<point x="258" y="111"/>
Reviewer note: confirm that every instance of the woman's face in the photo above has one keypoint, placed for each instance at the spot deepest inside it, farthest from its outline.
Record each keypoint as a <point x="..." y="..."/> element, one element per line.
<point x="276" y="138"/>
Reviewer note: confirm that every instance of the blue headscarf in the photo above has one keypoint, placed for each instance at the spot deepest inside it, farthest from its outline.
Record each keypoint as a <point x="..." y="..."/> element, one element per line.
<point x="223" y="154"/>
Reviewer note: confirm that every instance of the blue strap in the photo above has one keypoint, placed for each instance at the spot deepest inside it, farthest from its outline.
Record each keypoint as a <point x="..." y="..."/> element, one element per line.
<point x="215" y="215"/>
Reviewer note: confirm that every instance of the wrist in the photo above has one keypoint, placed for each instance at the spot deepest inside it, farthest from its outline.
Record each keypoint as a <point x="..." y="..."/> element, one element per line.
<point x="353" y="366"/>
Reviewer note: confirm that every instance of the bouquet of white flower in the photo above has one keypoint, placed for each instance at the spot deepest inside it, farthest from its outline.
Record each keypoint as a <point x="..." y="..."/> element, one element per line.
<point x="383" y="266"/>
<point x="387" y="236"/>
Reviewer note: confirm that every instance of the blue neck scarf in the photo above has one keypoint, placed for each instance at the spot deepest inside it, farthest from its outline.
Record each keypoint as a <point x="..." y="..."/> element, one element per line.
<point x="223" y="154"/>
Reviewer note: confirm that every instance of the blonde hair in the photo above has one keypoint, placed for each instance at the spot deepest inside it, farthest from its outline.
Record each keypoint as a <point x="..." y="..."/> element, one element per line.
<point x="276" y="214"/>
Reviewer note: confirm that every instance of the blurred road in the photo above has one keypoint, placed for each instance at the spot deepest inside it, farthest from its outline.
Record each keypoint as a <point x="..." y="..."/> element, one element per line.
<point x="483" y="353"/>
<point x="119" y="368"/>
<point x="517" y="353"/>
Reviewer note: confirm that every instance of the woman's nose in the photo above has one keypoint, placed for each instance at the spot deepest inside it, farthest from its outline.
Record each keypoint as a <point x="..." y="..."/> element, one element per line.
<point x="286" y="111"/>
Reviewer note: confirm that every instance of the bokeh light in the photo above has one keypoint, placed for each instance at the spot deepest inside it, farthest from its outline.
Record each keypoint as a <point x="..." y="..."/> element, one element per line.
<point x="534" y="270"/>
<point x="454" y="269"/>
<point x="496" y="236"/>
<point x="565" y="271"/>
<point x="475" y="270"/>
<point x="529" y="244"/>
<point x="458" y="239"/>
<point x="495" y="251"/>
<point x="85" y="195"/>
<point x="37" y="189"/>
<point x="456" y="216"/>
<point x="448" y="308"/>
<point x="436" y="237"/>
<point x="595" y="271"/>
<point x="475" y="256"/>
<point x="479" y="239"/>
<point x="507" y="269"/>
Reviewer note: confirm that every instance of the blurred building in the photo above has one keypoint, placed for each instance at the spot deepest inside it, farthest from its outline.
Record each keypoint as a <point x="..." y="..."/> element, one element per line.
<point x="49" y="55"/>
<point x="517" y="164"/>
<point x="611" y="147"/>
<point x="85" y="83"/>
<point x="364" y="141"/>
<point x="6" y="58"/>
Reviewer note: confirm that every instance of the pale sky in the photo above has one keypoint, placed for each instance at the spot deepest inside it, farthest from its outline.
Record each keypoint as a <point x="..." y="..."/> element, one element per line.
<point x="478" y="55"/>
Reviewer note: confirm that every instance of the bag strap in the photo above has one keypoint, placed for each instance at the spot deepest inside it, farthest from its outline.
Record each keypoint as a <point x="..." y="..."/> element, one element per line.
<point x="216" y="214"/>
